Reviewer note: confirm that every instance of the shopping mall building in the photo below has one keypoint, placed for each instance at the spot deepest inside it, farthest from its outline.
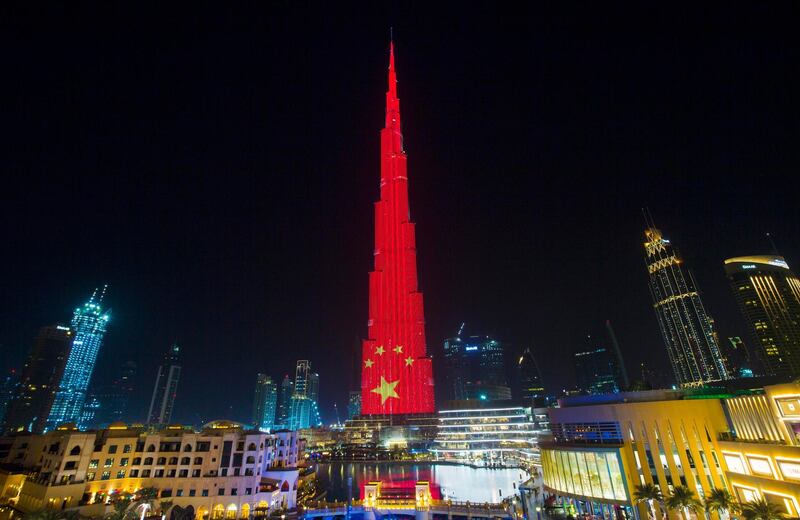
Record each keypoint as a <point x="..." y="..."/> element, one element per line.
<point x="602" y="447"/>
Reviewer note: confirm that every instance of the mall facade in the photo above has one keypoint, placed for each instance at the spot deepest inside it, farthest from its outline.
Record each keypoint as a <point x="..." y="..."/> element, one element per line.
<point x="603" y="447"/>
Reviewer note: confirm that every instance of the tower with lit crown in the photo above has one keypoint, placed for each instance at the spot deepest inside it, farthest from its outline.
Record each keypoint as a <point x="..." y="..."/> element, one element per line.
<point x="686" y="328"/>
<point x="88" y="326"/>
<point x="396" y="373"/>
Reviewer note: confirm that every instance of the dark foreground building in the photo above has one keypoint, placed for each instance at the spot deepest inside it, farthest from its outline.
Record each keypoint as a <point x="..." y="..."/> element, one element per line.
<point x="30" y="406"/>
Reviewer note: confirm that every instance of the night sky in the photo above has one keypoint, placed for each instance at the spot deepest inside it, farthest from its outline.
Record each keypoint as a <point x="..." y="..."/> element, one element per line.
<point x="217" y="169"/>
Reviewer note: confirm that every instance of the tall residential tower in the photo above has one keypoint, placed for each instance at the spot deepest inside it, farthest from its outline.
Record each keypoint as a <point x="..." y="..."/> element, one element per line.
<point x="396" y="372"/>
<point x="88" y="328"/>
<point x="685" y="326"/>
<point x="768" y="294"/>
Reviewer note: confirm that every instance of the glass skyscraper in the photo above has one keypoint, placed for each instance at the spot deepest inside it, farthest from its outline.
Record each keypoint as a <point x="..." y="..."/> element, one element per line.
<point x="303" y="406"/>
<point x="166" y="388"/>
<point x="596" y="370"/>
<point x="88" y="327"/>
<point x="265" y="403"/>
<point x="768" y="294"/>
<point x="685" y="327"/>
<point x="474" y="368"/>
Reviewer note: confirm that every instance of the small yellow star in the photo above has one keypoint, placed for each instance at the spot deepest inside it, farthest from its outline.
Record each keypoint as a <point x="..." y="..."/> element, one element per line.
<point x="386" y="390"/>
<point x="379" y="351"/>
<point x="399" y="349"/>
<point x="409" y="361"/>
<point x="368" y="363"/>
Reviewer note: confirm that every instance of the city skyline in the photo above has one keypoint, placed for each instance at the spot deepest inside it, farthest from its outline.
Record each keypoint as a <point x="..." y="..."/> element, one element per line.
<point x="214" y="225"/>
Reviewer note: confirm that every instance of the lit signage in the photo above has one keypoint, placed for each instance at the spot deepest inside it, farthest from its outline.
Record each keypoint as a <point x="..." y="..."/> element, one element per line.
<point x="735" y="463"/>
<point x="760" y="466"/>
<point x="790" y="470"/>
<point x="779" y="263"/>
<point x="789" y="406"/>
<point x="749" y="266"/>
<point x="470" y="348"/>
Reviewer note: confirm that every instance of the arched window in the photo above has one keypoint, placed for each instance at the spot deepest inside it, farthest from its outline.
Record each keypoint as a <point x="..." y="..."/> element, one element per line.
<point x="250" y="460"/>
<point x="245" y="511"/>
<point x="151" y="448"/>
<point x="219" y="512"/>
<point x="75" y="451"/>
<point x="188" y="447"/>
<point x="137" y="461"/>
<point x="198" y="460"/>
<point x="251" y="447"/>
<point x="185" y="461"/>
<point x="285" y="486"/>
<point x="173" y="461"/>
<point x="148" y="461"/>
<point x="230" y="513"/>
<point x="161" y="461"/>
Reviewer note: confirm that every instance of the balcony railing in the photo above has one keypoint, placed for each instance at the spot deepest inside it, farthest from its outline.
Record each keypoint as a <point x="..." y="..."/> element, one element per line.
<point x="732" y="437"/>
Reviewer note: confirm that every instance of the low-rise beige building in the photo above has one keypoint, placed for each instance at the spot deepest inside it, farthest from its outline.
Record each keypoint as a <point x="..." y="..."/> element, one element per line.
<point x="221" y="471"/>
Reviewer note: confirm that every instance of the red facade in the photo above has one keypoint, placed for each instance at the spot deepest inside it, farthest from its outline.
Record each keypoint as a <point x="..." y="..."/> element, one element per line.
<point x="396" y="373"/>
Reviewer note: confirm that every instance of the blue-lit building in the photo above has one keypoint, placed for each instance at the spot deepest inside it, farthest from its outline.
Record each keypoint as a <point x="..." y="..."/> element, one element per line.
<point x="265" y="403"/>
<point x="88" y="326"/>
<point x="304" y="403"/>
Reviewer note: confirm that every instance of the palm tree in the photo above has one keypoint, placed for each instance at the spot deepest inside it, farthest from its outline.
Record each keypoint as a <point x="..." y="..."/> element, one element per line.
<point x="682" y="498"/>
<point x="760" y="509"/>
<point x="720" y="501"/>
<point x="648" y="493"/>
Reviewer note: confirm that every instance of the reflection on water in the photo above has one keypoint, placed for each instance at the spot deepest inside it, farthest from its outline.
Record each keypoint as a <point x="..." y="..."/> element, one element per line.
<point x="453" y="482"/>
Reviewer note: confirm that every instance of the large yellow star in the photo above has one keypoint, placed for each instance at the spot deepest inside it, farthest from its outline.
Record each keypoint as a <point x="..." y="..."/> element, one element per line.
<point x="409" y="361"/>
<point x="399" y="349"/>
<point x="386" y="390"/>
<point x="368" y="363"/>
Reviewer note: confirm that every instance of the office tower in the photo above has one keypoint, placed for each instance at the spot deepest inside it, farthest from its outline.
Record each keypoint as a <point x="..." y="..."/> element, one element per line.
<point x="301" y="374"/>
<point x="396" y="372"/>
<point x="474" y="368"/>
<point x="88" y="328"/>
<point x="165" y="389"/>
<point x="685" y="326"/>
<point x="768" y="295"/>
<point x="530" y="380"/>
<point x="304" y="408"/>
<point x="284" y="403"/>
<point x="91" y="410"/>
<point x="114" y="398"/>
<point x="265" y="403"/>
<point x="737" y="357"/>
<point x="354" y="404"/>
<point x="596" y="369"/>
<point x="312" y="390"/>
<point x="8" y="390"/>
<point x="32" y="400"/>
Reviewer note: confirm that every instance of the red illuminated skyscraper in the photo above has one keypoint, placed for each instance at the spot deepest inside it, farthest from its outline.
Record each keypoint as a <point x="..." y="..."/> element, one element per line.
<point x="396" y="373"/>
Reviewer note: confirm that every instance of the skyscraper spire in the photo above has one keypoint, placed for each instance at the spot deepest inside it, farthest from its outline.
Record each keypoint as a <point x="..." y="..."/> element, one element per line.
<point x="393" y="109"/>
<point x="396" y="373"/>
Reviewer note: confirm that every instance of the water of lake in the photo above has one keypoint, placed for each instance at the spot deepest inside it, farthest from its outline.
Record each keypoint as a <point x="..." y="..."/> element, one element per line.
<point x="458" y="483"/>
